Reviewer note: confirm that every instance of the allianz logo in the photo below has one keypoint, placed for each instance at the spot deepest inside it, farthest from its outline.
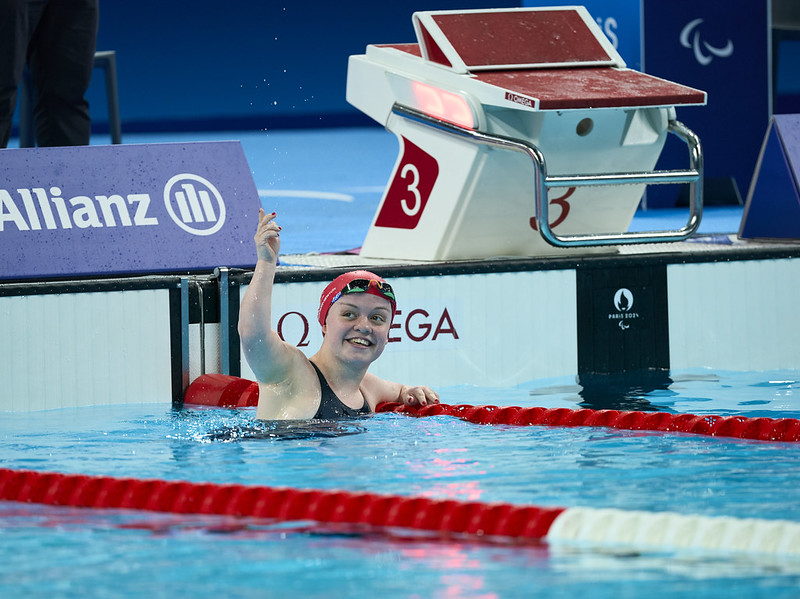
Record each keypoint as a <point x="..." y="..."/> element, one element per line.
<point x="192" y="202"/>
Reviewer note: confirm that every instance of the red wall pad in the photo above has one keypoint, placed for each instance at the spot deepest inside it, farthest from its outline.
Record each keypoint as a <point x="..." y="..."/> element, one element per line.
<point x="222" y="391"/>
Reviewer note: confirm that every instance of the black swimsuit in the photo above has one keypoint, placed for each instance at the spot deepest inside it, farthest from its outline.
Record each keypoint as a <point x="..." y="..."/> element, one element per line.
<point x="331" y="407"/>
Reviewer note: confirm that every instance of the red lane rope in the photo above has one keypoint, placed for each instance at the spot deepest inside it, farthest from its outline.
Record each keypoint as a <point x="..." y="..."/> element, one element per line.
<point x="442" y="516"/>
<point x="227" y="391"/>
<point x="741" y="427"/>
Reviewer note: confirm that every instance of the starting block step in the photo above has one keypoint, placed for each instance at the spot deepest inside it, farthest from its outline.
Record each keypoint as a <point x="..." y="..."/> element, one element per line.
<point x="520" y="131"/>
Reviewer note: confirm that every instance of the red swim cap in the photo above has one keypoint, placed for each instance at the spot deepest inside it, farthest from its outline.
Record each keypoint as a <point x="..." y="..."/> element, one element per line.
<point x="367" y="282"/>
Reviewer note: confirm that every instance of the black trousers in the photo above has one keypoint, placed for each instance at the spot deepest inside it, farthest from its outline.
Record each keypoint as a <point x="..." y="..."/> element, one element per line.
<point x="56" y="39"/>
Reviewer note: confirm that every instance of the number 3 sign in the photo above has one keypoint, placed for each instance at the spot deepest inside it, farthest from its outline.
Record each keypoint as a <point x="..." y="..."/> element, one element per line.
<point x="562" y="203"/>
<point x="410" y="189"/>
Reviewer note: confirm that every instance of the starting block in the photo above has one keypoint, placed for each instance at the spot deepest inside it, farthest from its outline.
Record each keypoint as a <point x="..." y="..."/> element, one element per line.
<point x="521" y="133"/>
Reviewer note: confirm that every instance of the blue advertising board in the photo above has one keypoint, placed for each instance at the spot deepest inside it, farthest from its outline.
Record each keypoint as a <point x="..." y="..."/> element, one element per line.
<point x="722" y="48"/>
<point x="132" y="209"/>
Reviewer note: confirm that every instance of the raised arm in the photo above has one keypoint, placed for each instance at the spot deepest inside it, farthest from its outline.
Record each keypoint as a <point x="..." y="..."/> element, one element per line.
<point x="268" y="356"/>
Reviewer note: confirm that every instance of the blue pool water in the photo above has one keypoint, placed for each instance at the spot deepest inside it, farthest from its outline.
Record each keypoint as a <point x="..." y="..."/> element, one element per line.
<point x="71" y="552"/>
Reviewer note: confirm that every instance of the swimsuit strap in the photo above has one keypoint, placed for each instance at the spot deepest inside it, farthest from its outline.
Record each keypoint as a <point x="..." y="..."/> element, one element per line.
<point x="330" y="406"/>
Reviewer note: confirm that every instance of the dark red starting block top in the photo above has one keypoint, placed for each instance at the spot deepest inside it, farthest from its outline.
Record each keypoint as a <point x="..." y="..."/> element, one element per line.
<point x="599" y="87"/>
<point x="557" y="57"/>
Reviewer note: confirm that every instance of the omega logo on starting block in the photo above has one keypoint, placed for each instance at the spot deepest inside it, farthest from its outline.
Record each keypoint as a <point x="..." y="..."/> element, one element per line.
<point x="520" y="100"/>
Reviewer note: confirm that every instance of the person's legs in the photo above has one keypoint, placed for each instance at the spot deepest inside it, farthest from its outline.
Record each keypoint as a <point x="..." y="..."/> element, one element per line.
<point x="15" y="28"/>
<point x="62" y="59"/>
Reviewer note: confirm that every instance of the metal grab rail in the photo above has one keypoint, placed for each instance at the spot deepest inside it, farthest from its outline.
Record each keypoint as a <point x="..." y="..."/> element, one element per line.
<point x="693" y="176"/>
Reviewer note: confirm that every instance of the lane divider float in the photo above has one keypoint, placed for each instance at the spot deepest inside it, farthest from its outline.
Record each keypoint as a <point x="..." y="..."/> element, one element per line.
<point x="498" y="522"/>
<point x="221" y="390"/>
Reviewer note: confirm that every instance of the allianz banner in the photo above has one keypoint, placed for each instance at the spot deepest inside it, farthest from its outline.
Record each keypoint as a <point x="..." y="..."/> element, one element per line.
<point x="125" y="209"/>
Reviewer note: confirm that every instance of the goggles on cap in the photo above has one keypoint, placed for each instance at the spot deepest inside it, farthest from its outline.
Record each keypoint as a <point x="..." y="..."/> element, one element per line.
<point x="363" y="285"/>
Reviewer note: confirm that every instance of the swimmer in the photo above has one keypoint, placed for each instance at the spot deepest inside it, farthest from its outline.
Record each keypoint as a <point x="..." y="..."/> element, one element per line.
<point x="355" y="313"/>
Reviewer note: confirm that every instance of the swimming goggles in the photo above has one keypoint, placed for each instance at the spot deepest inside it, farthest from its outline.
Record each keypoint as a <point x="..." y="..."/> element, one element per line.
<point x="363" y="285"/>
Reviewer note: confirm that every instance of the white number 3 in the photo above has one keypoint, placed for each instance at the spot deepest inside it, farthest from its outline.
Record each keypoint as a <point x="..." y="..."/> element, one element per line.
<point x="412" y="187"/>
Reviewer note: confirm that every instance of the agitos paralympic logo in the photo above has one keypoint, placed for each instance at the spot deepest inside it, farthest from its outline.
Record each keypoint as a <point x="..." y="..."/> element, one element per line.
<point x="703" y="51"/>
<point x="192" y="202"/>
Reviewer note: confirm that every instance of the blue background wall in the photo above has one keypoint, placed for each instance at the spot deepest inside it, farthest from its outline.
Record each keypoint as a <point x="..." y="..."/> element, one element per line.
<point x="194" y="65"/>
<point x="207" y="64"/>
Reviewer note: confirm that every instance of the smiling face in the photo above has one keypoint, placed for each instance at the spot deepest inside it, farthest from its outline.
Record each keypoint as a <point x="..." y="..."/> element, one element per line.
<point x="357" y="325"/>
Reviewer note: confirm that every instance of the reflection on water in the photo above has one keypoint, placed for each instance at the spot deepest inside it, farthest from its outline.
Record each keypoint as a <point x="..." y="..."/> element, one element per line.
<point x="645" y="391"/>
<point x="625" y="391"/>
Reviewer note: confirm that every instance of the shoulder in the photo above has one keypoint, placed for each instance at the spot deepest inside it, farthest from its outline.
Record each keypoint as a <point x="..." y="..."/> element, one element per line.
<point x="296" y="395"/>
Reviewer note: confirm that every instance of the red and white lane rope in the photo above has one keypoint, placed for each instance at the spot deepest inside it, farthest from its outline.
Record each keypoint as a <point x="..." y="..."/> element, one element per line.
<point x="445" y="517"/>
<point x="227" y="391"/>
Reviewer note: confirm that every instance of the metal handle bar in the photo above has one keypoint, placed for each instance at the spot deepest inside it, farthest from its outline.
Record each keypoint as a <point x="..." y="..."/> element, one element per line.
<point x="693" y="176"/>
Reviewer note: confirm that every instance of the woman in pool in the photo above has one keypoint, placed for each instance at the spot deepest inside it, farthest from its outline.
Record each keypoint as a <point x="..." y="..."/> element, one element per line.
<point x="355" y="312"/>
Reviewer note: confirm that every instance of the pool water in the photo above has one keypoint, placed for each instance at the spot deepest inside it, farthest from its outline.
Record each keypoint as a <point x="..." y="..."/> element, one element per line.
<point x="71" y="552"/>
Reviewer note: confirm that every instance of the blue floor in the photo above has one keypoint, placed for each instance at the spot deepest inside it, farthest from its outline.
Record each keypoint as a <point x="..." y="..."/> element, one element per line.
<point x="325" y="184"/>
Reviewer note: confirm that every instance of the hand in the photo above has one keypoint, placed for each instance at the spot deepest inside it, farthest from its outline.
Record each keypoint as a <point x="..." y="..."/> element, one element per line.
<point x="267" y="237"/>
<point x="418" y="396"/>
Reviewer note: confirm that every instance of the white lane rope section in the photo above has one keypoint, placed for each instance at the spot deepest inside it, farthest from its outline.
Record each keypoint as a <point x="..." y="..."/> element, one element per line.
<point x="668" y="530"/>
